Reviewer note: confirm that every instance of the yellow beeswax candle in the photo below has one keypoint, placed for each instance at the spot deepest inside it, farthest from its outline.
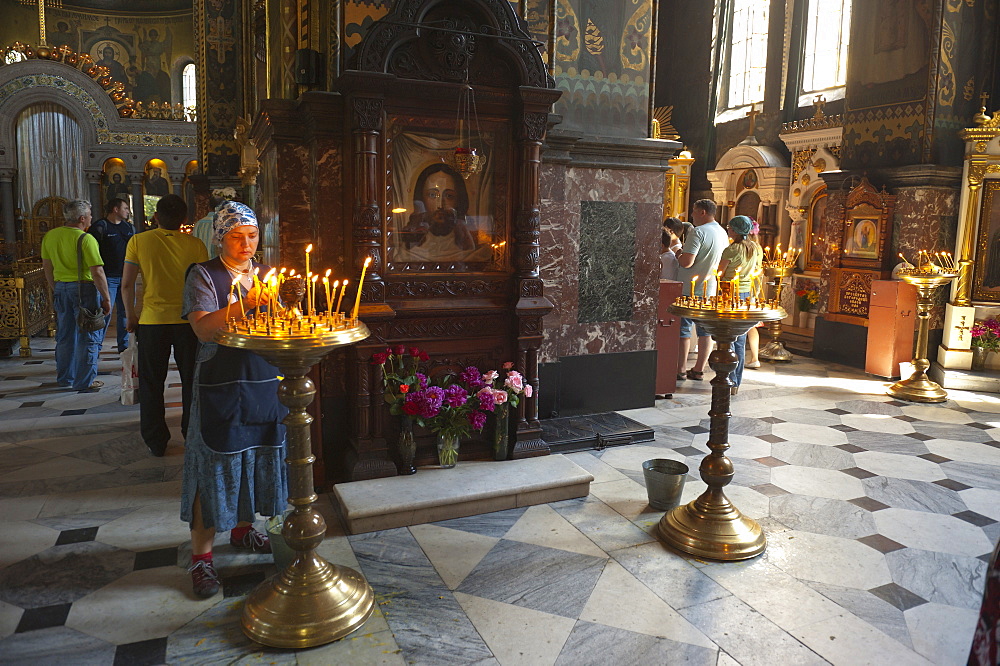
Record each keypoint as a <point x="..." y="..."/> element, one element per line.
<point x="343" y="291"/>
<point x="361" y="284"/>
<point x="312" y="304"/>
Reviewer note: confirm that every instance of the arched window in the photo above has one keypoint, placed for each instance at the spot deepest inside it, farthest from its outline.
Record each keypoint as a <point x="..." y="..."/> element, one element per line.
<point x="747" y="52"/>
<point x="189" y="93"/>
<point x="828" y="29"/>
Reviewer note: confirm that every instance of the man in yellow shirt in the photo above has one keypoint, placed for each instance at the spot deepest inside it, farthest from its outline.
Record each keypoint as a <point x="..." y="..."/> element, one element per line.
<point x="163" y="256"/>
<point x="76" y="351"/>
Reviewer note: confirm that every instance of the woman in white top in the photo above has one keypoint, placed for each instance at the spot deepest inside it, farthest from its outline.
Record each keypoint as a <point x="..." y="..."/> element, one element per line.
<point x="670" y="245"/>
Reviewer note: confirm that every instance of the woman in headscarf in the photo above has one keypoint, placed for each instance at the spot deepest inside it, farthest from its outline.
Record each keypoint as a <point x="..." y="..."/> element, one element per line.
<point x="743" y="256"/>
<point x="234" y="453"/>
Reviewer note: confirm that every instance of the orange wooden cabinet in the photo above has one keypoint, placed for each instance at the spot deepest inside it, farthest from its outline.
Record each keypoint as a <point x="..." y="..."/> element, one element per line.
<point x="892" y="311"/>
<point x="668" y="329"/>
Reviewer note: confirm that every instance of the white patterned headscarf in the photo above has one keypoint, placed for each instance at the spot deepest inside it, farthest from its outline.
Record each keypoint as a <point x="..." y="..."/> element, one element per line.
<point x="228" y="216"/>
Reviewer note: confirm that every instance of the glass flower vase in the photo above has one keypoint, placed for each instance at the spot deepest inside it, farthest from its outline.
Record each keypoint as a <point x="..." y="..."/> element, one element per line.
<point x="979" y="358"/>
<point x="501" y="430"/>
<point x="447" y="450"/>
<point x="407" y="447"/>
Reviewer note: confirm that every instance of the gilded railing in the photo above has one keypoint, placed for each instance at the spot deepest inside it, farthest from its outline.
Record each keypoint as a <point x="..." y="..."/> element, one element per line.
<point x="25" y="301"/>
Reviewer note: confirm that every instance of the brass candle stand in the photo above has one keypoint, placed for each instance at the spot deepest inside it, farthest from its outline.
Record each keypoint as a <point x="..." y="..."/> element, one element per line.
<point x="775" y="349"/>
<point x="918" y="387"/>
<point x="312" y="602"/>
<point x="711" y="526"/>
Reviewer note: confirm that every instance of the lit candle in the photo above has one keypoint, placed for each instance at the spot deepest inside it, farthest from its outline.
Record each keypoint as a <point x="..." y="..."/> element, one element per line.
<point x="308" y="293"/>
<point x="694" y="281"/>
<point x="232" y="288"/>
<point x="343" y="291"/>
<point x="361" y="284"/>
<point x="312" y="305"/>
<point x="309" y="248"/>
<point x="239" y="295"/>
<point x="326" y="281"/>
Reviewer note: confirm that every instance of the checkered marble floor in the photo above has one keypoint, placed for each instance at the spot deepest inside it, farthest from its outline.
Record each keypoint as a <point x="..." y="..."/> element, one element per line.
<point x="880" y="516"/>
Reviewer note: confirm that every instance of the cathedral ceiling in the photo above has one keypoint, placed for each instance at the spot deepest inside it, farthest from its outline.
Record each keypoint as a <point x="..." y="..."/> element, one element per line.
<point x="131" y="6"/>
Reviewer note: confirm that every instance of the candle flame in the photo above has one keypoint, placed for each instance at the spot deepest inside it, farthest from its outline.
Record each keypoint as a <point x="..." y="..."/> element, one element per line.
<point x="326" y="280"/>
<point x="269" y="274"/>
<point x="236" y="280"/>
<point x="328" y="271"/>
<point x="314" y="278"/>
<point x="368" y="261"/>
<point x="309" y="248"/>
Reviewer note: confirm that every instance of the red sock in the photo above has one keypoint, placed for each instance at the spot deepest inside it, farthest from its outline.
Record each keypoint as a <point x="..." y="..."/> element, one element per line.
<point x="207" y="557"/>
<point x="238" y="533"/>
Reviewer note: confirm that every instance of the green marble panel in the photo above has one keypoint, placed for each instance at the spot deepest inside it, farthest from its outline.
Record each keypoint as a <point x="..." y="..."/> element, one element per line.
<point x="607" y="261"/>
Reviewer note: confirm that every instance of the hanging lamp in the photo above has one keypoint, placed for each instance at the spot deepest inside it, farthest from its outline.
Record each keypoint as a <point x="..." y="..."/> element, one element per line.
<point x="468" y="158"/>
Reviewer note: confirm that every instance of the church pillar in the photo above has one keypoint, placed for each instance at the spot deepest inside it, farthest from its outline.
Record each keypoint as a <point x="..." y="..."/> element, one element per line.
<point x="94" y="189"/>
<point x="138" y="209"/>
<point x="219" y="50"/>
<point x="7" y="203"/>
<point x="531" y="304"/>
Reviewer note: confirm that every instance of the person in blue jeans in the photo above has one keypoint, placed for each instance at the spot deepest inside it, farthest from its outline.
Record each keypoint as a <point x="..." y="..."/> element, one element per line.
<point x="76" y="350"/>
<point x="113" y="232"/>
<point x="743" y="258"/>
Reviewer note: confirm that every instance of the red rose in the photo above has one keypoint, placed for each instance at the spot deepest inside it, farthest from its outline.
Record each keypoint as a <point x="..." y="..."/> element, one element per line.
<point x="415" y="352"/>
<point x="410" y="408"/>
<point x="404" y="388"/>
<point x="399" y="350"/>
<point x="379" y="358"/>
<point x="424" y="356"/>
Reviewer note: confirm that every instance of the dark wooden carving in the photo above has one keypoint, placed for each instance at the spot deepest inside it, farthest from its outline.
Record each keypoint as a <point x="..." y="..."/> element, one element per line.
<point x="406" y="77"/>
<point x="864" y="226"/>
<point x="406" y="43"/>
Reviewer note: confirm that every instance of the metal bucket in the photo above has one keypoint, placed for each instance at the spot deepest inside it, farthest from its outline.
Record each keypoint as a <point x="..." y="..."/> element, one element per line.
<point x="664" y="482"/>
<point x="283" y="553"/>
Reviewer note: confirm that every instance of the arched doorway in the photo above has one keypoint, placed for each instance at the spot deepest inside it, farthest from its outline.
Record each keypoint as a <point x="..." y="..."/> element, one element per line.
<point x="49" y="155"/>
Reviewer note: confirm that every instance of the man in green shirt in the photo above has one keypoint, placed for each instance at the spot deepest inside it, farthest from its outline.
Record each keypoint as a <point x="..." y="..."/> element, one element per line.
<point x="76" y="351"/>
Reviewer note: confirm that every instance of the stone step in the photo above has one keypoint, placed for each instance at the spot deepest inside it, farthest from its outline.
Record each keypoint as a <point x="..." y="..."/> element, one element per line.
<point x="471" y="488"/>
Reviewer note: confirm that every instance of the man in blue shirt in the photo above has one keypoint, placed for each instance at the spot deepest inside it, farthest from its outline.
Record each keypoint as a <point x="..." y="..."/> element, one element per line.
<point x="113" y="232"/>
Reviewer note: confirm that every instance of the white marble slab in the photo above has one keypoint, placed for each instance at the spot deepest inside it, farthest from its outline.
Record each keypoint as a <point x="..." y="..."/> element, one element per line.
<point x="468" y="489"/>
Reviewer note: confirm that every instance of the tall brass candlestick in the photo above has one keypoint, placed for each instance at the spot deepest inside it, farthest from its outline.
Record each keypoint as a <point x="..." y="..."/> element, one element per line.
<point x="775" y="349"/>
<point x="711" y="526"/>
<point x="918" y="387"/>
<point x="312" y="602"/>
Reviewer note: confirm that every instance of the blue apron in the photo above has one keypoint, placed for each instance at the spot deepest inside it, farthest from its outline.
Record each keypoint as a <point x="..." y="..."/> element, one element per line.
<point x="237" y="389"/>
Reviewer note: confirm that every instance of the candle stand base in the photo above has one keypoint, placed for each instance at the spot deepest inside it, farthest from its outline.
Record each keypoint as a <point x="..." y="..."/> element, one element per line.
<point x="710" y="526"/>
<point x="312" y="602"/>
<point x="918" y="387"/>
<point x="714" y="529"/>
<point x="921" y="390"/>
<point x="775" y="351"/>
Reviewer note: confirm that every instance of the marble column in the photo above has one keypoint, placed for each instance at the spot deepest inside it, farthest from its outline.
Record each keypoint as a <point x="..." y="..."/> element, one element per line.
<point x="138" y="210"/>
<point x="7" y="205"/>
<point x="94" y="192"/>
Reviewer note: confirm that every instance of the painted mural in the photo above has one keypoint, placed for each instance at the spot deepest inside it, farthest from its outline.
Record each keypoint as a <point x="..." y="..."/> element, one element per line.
<point x="601" y="63"/>
<point x="220" y="91"/>
<point x="900" y="110"/>
<point x="145" y="54"/>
